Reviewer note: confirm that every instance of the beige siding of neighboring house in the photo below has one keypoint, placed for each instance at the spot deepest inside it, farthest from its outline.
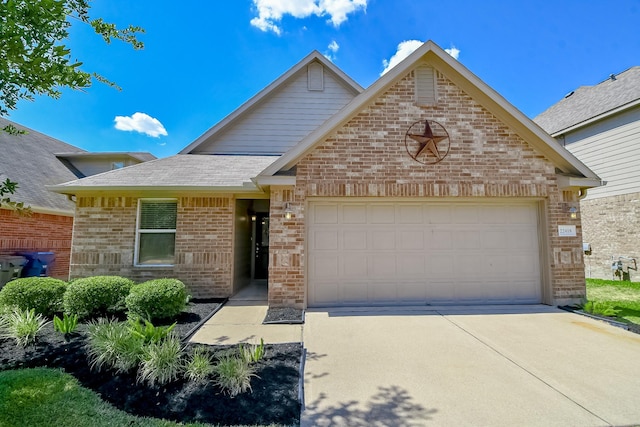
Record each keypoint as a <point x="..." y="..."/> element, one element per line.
<point x="282" y="119"/>
<point x="104" y="237"/>
<point x="367" y="158"/>
<point x="610" y="214"/>
<point x="611" y="148"/>
<point x="89" y="166"/>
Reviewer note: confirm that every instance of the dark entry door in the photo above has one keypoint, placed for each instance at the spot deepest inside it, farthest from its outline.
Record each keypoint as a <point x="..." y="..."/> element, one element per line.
<point x="261" y="246"/>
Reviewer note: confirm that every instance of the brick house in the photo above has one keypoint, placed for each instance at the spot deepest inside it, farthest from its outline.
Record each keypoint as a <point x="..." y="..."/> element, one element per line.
<point x="428" y="187"/>
<point x="35" y="160"/>
<point x="600" y="125"/>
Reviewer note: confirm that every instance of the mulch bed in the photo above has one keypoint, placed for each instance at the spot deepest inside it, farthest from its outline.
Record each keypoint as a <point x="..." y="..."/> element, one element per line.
<point x="274" y="399"/>
<point x="284" y="315"/>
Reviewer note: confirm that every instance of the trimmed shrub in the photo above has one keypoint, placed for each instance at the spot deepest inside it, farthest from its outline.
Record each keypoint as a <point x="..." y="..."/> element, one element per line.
<point x="44" y="295"/>
<point x="97" y="296"/>
<point x="157" y="299"/>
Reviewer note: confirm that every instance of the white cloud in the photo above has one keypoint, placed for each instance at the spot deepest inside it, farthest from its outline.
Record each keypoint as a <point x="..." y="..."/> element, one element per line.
<point x="270" y="12"/>
<point x="405" y="49"/>
<point x="333" y="47"/>
<point x="453" y="51"/>
<point x="141" y="122"/>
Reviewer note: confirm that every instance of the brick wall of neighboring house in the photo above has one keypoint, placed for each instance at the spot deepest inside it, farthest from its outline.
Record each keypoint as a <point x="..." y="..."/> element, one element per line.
<point x="367" y="158"/>
<point x="607" y="225"/>
<point x="38" y="233"/>
<point x="104" y="242"/>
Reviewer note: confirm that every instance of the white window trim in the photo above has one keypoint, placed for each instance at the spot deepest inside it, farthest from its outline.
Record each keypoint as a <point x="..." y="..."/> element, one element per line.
<point x="137" y="240"/>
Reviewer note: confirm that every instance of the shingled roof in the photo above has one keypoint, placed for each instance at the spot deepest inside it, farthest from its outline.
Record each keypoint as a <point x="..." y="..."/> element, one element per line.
<point x="589" y="102"/>
<point x="30" y="161"/>
<point x="179" y="172"/>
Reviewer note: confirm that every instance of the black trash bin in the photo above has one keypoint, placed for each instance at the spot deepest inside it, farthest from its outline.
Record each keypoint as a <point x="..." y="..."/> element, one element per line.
<point x="38" y="263"/>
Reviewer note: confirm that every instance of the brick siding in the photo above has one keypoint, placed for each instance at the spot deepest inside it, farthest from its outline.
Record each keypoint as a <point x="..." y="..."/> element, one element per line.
<point x="609" y="225"/>
<point x="367" y="158"/>
<point x="105" y="234"/>
<point x="38" y="233"/>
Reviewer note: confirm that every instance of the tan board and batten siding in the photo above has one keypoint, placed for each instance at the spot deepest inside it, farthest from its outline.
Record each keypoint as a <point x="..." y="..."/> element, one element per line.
<point x="611" y="149"/>
<point x="423" y="253"/>
<point x="284" y="118"/>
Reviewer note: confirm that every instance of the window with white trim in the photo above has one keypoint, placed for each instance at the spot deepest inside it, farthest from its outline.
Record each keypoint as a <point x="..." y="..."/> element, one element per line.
<point x="156" y="232"/>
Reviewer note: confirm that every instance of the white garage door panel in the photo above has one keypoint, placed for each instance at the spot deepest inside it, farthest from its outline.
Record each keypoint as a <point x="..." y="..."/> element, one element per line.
<point x="414" y="253"/>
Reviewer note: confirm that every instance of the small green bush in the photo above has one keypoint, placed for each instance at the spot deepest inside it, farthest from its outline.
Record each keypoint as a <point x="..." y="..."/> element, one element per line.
<point x="97" y="296"/>
<point x="157" y="299"/>
<point x="42" y="294"/>
<point x="603" y="308"/>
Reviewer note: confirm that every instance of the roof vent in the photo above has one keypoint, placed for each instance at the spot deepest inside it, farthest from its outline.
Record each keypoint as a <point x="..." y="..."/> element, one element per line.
<point x="569" y="94"/>
<point x="612" y="77"/>
<point x="315" y="77"/>
<point x="425" y="83"/>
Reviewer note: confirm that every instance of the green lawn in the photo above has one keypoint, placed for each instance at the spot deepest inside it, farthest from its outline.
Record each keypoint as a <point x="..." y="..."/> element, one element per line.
<point x="624" y="296"/>
<point x="43" y="397"/>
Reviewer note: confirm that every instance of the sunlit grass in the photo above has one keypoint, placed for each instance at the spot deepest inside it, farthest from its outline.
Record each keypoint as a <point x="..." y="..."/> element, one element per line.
<point x="43" y="397"/>
<point x="624" y="296"/>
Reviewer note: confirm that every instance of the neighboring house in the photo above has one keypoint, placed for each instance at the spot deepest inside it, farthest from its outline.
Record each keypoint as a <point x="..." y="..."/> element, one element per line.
<point x="34" y="160"/>
<point x="341" y="197"/>
<point x="600" y="125"/>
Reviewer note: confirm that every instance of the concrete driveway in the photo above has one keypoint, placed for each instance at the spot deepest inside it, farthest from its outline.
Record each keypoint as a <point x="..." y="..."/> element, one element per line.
<point x="461" y="366"/>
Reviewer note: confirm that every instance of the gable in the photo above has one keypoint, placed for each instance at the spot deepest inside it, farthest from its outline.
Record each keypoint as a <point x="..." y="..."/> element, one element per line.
<point x="577" y="174"/>
<point x="485" y="154"/>
<point x="283" y="117"/>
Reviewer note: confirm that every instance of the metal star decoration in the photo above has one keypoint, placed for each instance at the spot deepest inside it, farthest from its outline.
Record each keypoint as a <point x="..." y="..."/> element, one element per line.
<point x="428" y="143"/>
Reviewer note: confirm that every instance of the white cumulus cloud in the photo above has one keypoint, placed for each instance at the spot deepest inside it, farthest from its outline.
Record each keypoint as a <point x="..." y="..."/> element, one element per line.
<point x="405" y="49"/>
<point x="453" y="51"/>
<point x="333" y="47"/>
<point x="270" y="12"/>
<point x="141" y="122"/>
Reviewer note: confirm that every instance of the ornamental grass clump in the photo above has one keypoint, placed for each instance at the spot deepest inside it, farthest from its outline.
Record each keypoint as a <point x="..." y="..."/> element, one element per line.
<point x="97" y="296"/>
<point x="603" y="308"/>
<point x="21" y="325"/>
<point x="42" y="294"/>
<point x="111" y="344"/>
<point x="233" y="375"/>
<point x="161" y="361"/>
<point x="199" y="366"/>
<point x="157" y="299"/>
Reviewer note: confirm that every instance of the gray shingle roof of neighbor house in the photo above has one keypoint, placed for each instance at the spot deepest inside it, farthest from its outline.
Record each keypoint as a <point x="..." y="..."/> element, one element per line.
<point x="590" y="102"/>
<point x="30" y="161"/>
<point x="179" y="172"/>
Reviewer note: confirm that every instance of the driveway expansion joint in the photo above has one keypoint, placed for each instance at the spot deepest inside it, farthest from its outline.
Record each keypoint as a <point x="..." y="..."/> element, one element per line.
<point x="515" y="363"/>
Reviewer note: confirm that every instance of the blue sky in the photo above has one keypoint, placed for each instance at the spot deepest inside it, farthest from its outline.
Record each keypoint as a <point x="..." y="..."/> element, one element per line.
<point x="203" y="59"/>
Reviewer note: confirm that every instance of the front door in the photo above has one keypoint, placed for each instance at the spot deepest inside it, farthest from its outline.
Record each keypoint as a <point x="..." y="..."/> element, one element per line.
<point x="261" y="246"/>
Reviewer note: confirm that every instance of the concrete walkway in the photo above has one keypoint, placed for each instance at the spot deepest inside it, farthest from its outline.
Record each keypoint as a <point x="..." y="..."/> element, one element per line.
<point x="241" y="322"/>
<point x="455" y="366"/>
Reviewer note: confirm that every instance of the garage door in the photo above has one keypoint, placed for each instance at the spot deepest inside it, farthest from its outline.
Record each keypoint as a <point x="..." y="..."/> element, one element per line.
<point x="369" y="253"/>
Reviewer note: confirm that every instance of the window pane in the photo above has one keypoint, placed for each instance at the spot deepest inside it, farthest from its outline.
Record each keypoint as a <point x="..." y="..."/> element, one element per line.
<point x="160" y="215"/>
<point x="157" y="248"/>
